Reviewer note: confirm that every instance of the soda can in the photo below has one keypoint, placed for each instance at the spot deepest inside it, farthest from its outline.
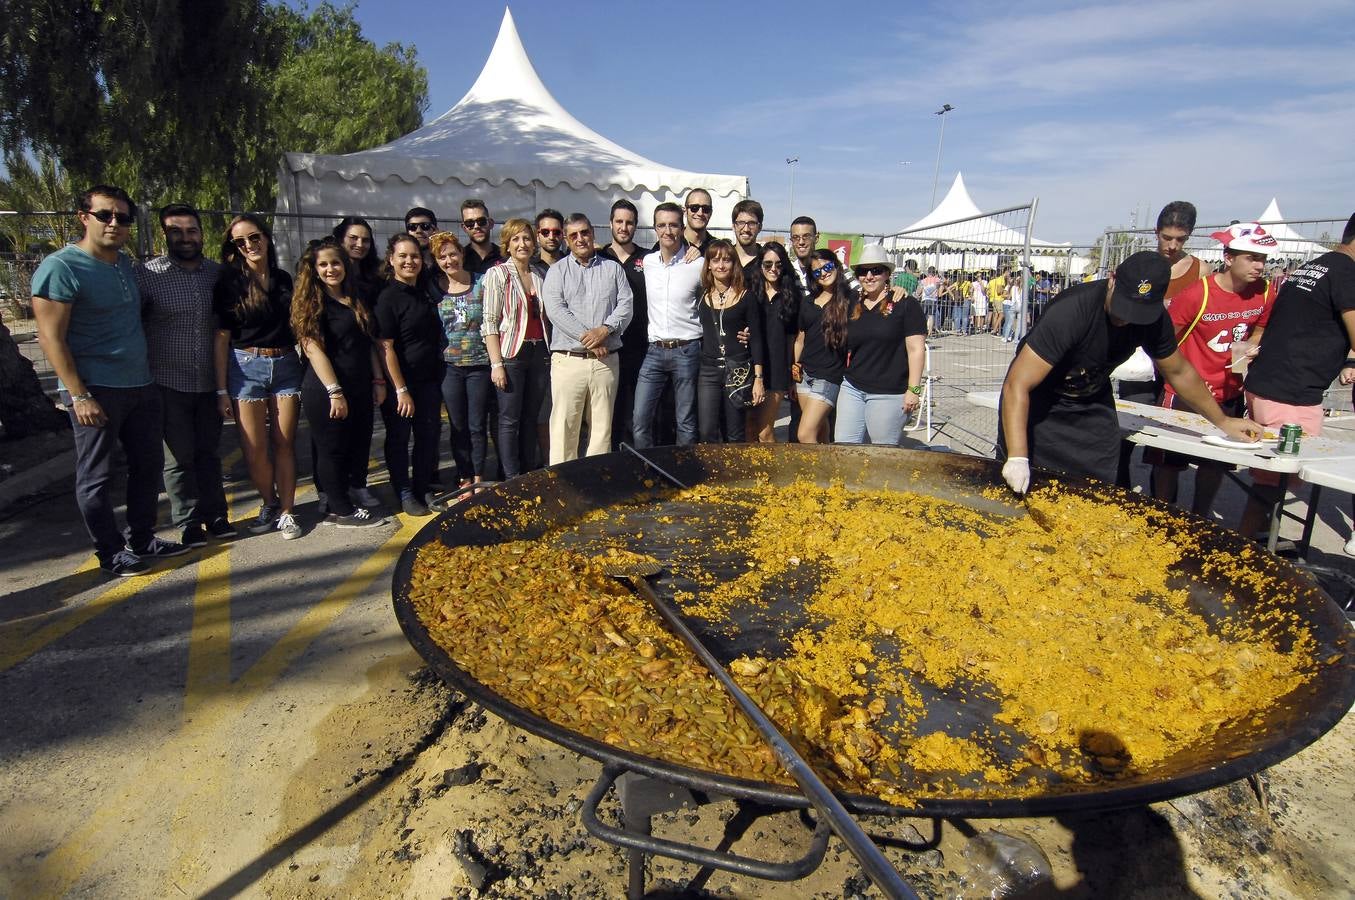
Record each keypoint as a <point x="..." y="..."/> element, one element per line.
<point x="1289" y="439"/>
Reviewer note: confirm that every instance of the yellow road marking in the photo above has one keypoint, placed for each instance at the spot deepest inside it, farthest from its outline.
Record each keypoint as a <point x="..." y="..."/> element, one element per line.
<point x="209" y="640"/>
<point x="201" y="739"/>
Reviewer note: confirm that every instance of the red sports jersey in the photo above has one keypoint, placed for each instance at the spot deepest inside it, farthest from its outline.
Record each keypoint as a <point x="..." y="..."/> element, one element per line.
<point x="1226" y="317"/>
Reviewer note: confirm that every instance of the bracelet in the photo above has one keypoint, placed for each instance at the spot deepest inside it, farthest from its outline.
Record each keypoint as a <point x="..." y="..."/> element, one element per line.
<point x="221" y="392"/>
<point x="337" y="392"/>
<point x="497" y="365"/>
<point x="82" y="398"/>
<point x="331" y="388"/>
<point x="380" y="381"/>
<point x="404" y="389"/>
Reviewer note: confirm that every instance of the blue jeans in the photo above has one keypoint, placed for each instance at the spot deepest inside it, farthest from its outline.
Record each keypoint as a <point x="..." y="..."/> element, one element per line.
<point x="465" y="391"/>
<point x="1011" y="324"/>
<point x="253" y="378"/>
<point x="962" y="321"/>
<point x="135" y="424"/>
<point x="682" y="364"/>
<point x="860" y="415"/>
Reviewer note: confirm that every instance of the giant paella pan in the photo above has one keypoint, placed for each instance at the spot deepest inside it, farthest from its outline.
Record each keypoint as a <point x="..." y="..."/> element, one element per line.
<point x="933" y="646"/>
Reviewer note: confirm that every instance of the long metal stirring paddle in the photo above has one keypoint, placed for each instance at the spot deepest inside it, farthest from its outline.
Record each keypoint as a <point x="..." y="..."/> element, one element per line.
<point x="877" y="868"/>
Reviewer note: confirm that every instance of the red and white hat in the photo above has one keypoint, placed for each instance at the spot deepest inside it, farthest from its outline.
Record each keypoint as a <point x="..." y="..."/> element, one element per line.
<point x="1246" y="237"/>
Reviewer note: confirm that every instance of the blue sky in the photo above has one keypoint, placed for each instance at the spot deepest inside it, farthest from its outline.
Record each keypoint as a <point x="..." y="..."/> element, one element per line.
<point x="1098" y="109"/>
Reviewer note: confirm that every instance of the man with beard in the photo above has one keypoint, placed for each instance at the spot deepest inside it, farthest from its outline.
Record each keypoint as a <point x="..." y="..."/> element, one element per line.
<point x="176" y="314"/>
<point x="747" y="226"/>
<point x="482" y="254"/>
<point x="550" y="239"/>
<point x="630" y="257"/>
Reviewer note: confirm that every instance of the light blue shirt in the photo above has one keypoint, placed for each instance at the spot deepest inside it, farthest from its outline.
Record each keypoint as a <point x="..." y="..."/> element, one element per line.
<point x="104" y="335"/>
<point x="581" y="296"/>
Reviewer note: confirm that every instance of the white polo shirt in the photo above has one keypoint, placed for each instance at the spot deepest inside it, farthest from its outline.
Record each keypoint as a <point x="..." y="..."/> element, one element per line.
<point x="672" y="295"/>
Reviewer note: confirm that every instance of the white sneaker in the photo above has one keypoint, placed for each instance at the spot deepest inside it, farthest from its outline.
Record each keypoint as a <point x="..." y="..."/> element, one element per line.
<point x="363" y="497"/>
<point x="1350" y="546"/>
<point x="288" y="526"/>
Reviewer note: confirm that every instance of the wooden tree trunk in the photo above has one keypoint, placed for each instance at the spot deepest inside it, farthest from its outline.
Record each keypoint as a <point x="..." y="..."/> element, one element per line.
<point x="24" y="408"/>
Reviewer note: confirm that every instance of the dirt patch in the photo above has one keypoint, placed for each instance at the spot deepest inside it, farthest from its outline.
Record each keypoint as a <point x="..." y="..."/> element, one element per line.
<point x="446" y="800"/>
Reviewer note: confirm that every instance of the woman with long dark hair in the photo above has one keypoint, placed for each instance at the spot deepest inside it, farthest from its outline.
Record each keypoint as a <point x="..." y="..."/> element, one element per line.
<point x="777" y="292"/>
<point x="465" y="384"/>
<point x="515" y="337"/>
<point x="725" y="310"/>
<point x="355" y="235"/>
<point x="886" y="349"/>
<point x="411" y="344"/>
<point x="820" y="355"/>
<point x="258" y="373"/>
<point x="343" y="377"/>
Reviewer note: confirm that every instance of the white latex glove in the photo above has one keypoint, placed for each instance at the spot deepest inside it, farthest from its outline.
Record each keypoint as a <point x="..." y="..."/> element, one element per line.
<point x="1016" y="472"/>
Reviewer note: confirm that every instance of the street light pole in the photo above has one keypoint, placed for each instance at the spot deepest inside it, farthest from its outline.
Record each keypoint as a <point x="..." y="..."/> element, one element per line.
<point x="937" y="174"/>
<point x="792" y="161"/>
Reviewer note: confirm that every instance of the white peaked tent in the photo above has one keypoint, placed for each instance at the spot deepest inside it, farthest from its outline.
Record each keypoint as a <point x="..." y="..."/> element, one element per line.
<point x="1292" y="244"/>
<point x="958" y="234"/>
<point x="507" y="142"/>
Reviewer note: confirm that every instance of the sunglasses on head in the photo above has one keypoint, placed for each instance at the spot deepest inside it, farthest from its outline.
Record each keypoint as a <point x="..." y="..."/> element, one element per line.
<point x="875" y="271"/>
<point x="823" y="270"/>
<point x="481" y="222"/>
<point x="699" y="208"/>
<point x="248" y="240"/>
<point x="421" y="226"/>
<point x="107" y="215"/>
<point x="549" y="232"/>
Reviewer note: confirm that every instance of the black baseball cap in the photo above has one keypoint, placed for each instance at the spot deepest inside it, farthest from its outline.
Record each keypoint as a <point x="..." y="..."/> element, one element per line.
<point x="1140" y="287"/>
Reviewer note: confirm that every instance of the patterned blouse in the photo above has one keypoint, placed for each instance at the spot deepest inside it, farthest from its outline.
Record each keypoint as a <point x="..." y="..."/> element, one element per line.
<point x="462" y="316"/>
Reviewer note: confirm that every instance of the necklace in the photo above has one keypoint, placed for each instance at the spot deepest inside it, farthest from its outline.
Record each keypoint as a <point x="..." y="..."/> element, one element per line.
<point x="721" y="295"/>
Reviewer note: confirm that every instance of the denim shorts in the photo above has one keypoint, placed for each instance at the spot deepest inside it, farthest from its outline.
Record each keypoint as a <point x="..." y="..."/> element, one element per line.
<point x="250" y="377"/>
<point x="820" y="389"/>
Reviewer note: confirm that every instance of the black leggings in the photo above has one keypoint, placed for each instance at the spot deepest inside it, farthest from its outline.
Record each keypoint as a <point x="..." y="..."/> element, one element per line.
<point x="713" y="407"/>
<point x="425" y="425"/>
<point x="520" y="407"/>
<point x="342" y="446"/>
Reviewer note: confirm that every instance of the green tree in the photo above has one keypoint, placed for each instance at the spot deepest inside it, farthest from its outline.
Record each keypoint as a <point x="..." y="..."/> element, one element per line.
<point x="196" y="99"/>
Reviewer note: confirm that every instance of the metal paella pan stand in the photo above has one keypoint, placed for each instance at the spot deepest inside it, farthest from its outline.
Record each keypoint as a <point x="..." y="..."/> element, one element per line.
<point x="649" y="785"/>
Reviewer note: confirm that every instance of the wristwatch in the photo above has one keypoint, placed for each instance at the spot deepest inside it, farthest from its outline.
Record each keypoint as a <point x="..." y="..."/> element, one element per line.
<point x="916" y="389"/>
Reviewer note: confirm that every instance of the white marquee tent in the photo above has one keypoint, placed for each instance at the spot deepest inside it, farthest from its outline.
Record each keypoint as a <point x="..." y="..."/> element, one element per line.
<point x="1292" y="244"/>
<point x="957" y="234"/>
<point x="507" y="142"/>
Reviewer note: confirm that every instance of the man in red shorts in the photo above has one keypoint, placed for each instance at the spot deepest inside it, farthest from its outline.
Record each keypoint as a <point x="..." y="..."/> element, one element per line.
<point x="1310" y="336"/>
<point x="1208" y="317"/>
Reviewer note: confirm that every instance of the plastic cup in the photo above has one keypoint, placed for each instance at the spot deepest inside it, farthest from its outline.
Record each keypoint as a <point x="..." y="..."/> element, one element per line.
<point x="1239" y="351"/>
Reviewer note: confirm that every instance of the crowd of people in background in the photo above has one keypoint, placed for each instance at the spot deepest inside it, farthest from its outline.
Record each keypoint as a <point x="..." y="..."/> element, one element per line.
<point x="544" y="344"/>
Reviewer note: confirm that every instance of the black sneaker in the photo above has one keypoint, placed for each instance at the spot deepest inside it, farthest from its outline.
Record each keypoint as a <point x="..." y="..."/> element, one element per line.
<point x="159" y="549"/>
<point x="194" y="536"/>
<point x="412" y="506"/>
<point x="221" y="528"/>
<point x="124" y="564"/>
<point x="360" y="518"/>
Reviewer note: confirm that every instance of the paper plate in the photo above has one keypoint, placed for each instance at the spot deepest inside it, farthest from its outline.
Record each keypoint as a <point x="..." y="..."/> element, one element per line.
<point x="1219" y="440"/>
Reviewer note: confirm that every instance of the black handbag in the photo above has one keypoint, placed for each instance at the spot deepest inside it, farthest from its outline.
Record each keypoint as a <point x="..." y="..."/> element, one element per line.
<point x="738" y="376"/>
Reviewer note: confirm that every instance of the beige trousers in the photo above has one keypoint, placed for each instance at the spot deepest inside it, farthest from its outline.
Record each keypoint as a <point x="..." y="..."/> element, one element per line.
<point x="581" y="390"/>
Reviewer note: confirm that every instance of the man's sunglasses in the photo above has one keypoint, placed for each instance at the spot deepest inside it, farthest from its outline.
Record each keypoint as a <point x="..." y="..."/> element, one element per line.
<point x="107" y="215"/>
<point x="581" y="233"/>
<point x="421" y="226"/>
<point x="699" y="208"/>
<point x="550" y="232"/>
<point x="482" y="222"/>
<point x="875" y="271"/>
<point x="247" y="240"/>
<point x="823" y="270"/>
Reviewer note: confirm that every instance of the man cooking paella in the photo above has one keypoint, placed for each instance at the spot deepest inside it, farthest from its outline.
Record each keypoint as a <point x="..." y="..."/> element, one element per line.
<point x="1058" y="410"/>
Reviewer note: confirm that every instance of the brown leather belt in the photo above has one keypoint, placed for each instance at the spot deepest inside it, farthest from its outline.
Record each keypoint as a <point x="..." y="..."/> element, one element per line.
<point x="578" y="354"/>
<point x="272" y="352"/>
<point x="674" y="344"/>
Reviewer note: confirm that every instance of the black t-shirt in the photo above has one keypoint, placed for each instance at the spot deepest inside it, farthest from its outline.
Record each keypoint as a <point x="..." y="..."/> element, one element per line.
<point x="269" y="326"/>
<point x="635" y="339"/>
<point x="816" y="358"/>
<point x="877" y="358"/>
<point x="1076" y="337"/>
<point x="476" y="265"/>
<point x="779" y="317"/>
<point x="1305" y="344"/>
<point x="743" y="314"/>
<point x="403" y="314"/>
<point x="347" y="346"/>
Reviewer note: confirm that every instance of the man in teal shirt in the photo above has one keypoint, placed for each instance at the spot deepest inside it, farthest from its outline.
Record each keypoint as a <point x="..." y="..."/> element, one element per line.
<point x="88" y="312"/>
